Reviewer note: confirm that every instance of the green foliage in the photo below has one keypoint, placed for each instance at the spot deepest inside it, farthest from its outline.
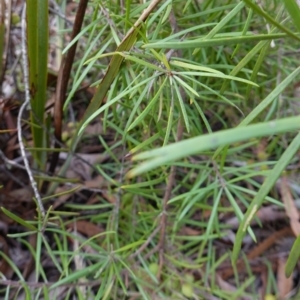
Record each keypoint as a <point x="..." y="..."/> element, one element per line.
<point x="196" y="88"/>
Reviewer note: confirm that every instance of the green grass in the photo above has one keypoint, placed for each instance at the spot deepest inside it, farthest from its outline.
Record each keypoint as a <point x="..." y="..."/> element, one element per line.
<point x="198" y="124"/>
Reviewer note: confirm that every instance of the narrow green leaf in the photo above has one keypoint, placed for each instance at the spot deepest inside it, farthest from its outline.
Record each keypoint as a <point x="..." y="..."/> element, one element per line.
<point x="190" y="66"/>
<point x="269" y="182"/>
<point x="185" y="85"/>
<point x="222" y="23"/>
<point x="293" y="258"/>
<point x="237" y="210"/>
<point x="129" y="246"/>
<point x="12" y="265"/>
<point x="201" y="43"/>
<point x="225" y="20"/>
<point x="18" y="220"/>
<point x="223" y="76"/>
<point x="244" y="62"/>
<point x="78" y="274"/>
<point x="182" y="106"/>
<point x="170" y="115"/>
<point x="195" y="145"/>
<point x="293" y="9"/>
<point x="148" y="108"/>
<point x="244" y="32"/>
<point x="141" y="62"/>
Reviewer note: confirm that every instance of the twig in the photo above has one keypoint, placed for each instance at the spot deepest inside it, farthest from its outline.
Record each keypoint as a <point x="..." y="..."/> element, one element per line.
<point x="22" y="108"/>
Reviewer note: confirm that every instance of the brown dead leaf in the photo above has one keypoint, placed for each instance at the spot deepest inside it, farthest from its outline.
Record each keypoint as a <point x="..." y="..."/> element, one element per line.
<point x="224" y="285"/>
<point x="109" y="197"/>
<point x="267" y="243"/>
<point x="190" y="231"/>
<point x="289" y="205"/>
<point x="96" y="183"/>
<point x="264" y="281"/>
<point x="82" y="164"/>
<point x="79" y="263"/>
<point x="21" y="195"/>
<point x="87" y="228"/>
<point x="95" y="129"/>
<point x="284" y="284"/>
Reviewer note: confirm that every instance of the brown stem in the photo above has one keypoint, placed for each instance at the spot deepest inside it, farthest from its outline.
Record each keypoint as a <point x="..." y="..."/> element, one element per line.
<point x="167" y="196"/>
<point x="62" y="82"/>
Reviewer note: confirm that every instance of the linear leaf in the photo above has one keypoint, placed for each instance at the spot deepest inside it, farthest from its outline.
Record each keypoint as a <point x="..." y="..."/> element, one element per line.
<point x="293" y="9"/>
<point x="201" y="43"/>
<point x="18" y="219"/>
<point x="263" y="192"/>
<point x="195" y="145"/>
<point x="293" y="258"/>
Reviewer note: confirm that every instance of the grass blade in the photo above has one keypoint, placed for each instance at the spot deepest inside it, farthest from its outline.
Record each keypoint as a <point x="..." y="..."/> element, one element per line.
<point x="263" y="192"/>
<point x="220" y="41"/>
<point x="173" y="152"/>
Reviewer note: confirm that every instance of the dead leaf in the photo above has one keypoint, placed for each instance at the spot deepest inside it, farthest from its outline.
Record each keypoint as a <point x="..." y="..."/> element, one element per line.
<point x="109" y="197"/>
<point x="289" y="205"/>
<point x="224" y="285"/>
<point x="87" y="228"/>
<point x="82" y="164"/>
<point x="79" y="263"/>
<point x="96" y="183"/>
<point x="267" y="243"/>
<point x="190" y="231"/>
<point x="21" y="195"/>
<point x="95" y="129"/>
<point x="284" y="284"/>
